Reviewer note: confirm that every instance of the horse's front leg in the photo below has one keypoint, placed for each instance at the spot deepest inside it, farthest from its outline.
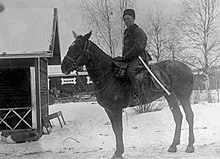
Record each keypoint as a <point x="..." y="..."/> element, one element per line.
<point x="116" y="120"/>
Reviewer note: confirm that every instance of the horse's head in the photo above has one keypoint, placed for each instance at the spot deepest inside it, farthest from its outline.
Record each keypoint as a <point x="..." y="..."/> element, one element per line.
<point x="76" y="54"/>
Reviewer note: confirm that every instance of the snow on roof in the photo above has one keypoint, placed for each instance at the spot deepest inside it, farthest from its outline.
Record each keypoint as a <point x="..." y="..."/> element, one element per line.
<point x="55" y="71"/>
<point x="27" y="31"/>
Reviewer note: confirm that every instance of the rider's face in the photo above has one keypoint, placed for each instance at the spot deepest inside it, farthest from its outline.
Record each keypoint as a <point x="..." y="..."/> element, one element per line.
<point x="128" y="20"/>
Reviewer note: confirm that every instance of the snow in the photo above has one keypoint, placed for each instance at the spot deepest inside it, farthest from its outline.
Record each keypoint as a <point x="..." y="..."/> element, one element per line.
<point x="88" y="135"/>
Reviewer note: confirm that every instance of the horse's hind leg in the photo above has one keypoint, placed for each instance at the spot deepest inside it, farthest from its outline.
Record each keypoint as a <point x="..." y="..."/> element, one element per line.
<point x="189" y="117"/>
<point x="177" y="115"/>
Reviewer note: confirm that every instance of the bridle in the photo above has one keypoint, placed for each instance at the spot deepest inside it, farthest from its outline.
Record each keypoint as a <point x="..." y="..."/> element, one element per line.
<point x="75" y="63"/>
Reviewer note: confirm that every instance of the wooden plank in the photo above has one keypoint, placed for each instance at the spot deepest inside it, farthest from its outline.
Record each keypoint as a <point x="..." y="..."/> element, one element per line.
<point x="44" y="87"/>
<point x="18" y="130"/>
<point x="25" y="55"/>
<point x="16" y="63"/>
<point x="33" y="98"/>
<point x="14" y="108"/>
<point x="38" y="95"/>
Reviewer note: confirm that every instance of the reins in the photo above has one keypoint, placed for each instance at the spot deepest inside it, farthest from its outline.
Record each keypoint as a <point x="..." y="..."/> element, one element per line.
<point x="97" y="91"/>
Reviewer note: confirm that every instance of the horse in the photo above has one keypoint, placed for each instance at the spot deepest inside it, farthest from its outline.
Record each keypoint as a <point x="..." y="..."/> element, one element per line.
<point x="114" y="94"/>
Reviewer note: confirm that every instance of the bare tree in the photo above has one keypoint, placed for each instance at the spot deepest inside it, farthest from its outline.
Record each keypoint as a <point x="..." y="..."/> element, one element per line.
<point x="105" y="19"/>
<point x="156" y="29"/>
<point x="198" y="23"/>
<point x="99" y="15"/>
<point x="123" y="4"/>
<point x="174" y="41"/>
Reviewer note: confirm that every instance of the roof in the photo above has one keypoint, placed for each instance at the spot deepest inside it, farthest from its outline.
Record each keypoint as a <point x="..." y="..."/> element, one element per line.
<point x="55" y="71"/>
<point x="69" y="75"/>
<point x="30" y="33"/>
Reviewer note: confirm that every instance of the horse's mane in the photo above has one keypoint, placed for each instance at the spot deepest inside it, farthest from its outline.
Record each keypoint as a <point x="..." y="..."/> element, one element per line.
<point x="96" y="49"/>
<point x="100" y="65"/>
<point x="104" y="57"/>
<point x="101" y="51"/>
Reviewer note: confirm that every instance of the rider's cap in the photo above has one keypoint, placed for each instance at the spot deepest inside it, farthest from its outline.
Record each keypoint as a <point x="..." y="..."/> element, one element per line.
<point x="130" y="12"/>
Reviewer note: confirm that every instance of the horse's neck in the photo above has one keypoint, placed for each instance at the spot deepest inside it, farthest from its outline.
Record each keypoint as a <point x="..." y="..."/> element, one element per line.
<point x="99" y="65"/>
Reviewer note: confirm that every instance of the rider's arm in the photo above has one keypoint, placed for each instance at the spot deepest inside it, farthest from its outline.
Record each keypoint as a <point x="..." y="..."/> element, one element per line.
<point x="140" y="42"/>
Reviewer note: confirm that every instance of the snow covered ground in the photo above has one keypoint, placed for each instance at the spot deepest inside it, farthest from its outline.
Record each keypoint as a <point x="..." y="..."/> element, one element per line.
<point x="88" y="135"/>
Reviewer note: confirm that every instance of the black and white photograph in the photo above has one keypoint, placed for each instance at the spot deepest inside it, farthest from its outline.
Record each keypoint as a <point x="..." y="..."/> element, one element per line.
<point x="109" y="79"/>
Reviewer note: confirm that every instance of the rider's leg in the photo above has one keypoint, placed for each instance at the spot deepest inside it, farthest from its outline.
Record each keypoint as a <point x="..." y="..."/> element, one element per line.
<point x="136" y="77"/>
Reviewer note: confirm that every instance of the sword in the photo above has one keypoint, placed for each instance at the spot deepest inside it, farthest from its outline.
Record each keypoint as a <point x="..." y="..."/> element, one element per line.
<point x="148" y="69"/>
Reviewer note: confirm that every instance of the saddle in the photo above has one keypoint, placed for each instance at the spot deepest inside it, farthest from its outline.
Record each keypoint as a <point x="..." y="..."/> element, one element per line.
<point x="161" y="76"/>
<point x="120" y="69"/>
<point x="146" y="79"/>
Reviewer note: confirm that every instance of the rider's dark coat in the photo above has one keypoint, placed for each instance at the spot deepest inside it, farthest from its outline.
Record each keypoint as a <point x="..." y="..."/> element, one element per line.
<point x="135" y="41"/>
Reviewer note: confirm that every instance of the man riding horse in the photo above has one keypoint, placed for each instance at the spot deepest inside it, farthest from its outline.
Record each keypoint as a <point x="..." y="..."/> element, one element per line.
<point x="134" y="43"/>
<point x="114" y="94"/>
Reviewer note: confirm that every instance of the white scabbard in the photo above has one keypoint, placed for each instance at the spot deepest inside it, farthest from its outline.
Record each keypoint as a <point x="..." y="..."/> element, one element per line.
<point x="148" y="69"/>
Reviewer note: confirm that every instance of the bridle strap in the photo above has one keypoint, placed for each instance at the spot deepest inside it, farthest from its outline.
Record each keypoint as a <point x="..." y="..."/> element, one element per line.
<point x="70" y="58"/>
<point x="85" y="50"/>
<point x="76" y="62"/>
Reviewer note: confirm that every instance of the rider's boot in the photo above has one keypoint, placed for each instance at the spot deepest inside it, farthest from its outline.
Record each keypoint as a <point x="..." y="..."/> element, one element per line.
<point x="137" y="97"/>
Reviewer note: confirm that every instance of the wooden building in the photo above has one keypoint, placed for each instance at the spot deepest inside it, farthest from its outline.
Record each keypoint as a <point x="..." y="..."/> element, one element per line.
<point x="72" y="84"/>
<point x="29" y="42"/>
<point x="200" y="80"/>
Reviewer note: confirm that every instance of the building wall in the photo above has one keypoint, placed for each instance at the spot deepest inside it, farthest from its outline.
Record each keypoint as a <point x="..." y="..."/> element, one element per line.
<point x="200" y="80"/>
<point x="44" y="87"/>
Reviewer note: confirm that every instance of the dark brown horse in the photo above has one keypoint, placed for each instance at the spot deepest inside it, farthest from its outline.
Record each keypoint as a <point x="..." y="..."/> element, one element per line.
<point x="114" y="94"/>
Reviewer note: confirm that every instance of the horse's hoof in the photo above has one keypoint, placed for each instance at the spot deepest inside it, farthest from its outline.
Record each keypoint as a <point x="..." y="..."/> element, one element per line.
<point x="172" y="149"/>
<point x="115" y="156"/>
<point x="190" y="149"/>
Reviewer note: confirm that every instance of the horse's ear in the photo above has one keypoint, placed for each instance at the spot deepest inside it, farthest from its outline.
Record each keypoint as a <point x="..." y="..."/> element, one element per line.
<point x="87" y="36"/>
<point x="75" y="35"/>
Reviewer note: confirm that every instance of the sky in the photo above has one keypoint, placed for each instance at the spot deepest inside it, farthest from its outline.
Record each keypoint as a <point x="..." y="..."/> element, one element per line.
<point x="70" y="18"/>
<point x="19" y="22"/>
<point x="70" y="14"/>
